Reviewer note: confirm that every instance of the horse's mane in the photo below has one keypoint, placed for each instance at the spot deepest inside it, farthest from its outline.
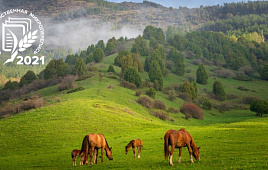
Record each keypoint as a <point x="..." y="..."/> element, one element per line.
<point x="130" y="142"/>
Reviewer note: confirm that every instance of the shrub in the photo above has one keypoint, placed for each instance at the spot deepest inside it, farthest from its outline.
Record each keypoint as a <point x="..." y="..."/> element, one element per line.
<point x="67" y="82"/>
<point x="224" y="73"/>
<point x="138" y="92"/>
<point x="185" y="96"/>
<point x="128" y="85"/>
<point x="75" y="90"/>
<point x="31" y="104"/>
<point x="223" y="106"/>
<point x="133" y="76"/>
<point x="159" y="105"/>
<point x="247" y="70"/>
<point x="259" y="106"/>
<point x="231" y="96"/>
<point x="218" y="90"/>
<point x="151" y="92"/>
<point x="188" y="88"/>
<point x="247" y="99"/>
<point x="193" y="110"/>
<point x="145" y="101"/>
<point x="176" y="87"/>
<point x="111" y="69"/>
<point x="173" y="110"/>
<point x="161" y="115"/>
<point x="243" y="78"/>
<point x="207" y="104"/>
<point x="264" y="72"/>
<point x="242" y="88"/>
<point x="172" y="95"/>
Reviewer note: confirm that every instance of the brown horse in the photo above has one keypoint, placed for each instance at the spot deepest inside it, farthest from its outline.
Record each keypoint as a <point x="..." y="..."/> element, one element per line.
<point x="76" y="153"/>
<point x="135" y="143"/>
<point x="93" y="142"/>
<point x="180" y="139"/>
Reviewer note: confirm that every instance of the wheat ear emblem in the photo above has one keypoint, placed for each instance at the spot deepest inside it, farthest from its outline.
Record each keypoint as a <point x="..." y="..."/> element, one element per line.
<point x="26" y="42"/>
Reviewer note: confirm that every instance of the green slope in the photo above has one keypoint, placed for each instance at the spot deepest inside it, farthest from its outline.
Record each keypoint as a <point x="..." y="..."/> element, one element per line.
<point x="44" y="138"/>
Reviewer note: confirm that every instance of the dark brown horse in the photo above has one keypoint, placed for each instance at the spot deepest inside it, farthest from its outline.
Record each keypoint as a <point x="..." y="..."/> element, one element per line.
<point x="135" y="143"/>
<point x="180" y="139"/>
<point x="92" y="143"/>
<point x="76" y="153"/>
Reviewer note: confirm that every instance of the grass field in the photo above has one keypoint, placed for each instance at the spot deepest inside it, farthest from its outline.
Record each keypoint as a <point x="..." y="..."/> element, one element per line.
<point x="43" y="138"/>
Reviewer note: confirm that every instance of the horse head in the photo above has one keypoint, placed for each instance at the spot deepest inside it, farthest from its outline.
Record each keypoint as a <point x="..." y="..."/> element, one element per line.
<point x="196" y="153"/>
<point x="126" y="150"/>
<point x="109" y="153"/>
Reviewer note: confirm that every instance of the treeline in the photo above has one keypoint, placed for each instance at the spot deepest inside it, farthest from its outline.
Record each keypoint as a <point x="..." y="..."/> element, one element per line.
<point x="240" y="25"/>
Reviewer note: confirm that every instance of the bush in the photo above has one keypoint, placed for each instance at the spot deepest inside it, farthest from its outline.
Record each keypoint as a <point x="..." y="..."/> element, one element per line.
<point x="133" y="76"/>
<point x="193" y="110"/>
<point x="259" y="106"/>
<point x="30" y="104"/>
<point x="161" y="115"/>
<point x="243" y="78"/>
<point x="185" y="96"/>
<point x="128" y="85"/>
<point x="218" y="90"/>
<point x="138" y="92"/>
<point x="145" y="101"/>
<point x="231" y="96"/>
<point x="223" y="106"/>
<point x="67" y="82"/>
<point x="75" y="90"/>
<point x="242" y="88"/>
<point x="247" y="99"/>
<point x="172" y="95"/>
<point x="173" y="110"/>
<point x="224" y="73"/>
<point x="207" y="104"/>
<point x="151" y="92"/>
<point x="159" y="105"/>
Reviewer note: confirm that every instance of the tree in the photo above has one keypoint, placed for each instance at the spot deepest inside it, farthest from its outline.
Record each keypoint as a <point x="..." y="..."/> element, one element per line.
<point x="133" y="76"/>
<point x="89" y="58"/>
<point x="188" y="88"/>
<point x="98" y="55"/>
<point x="56" y="68"/>
<point x="111" y="69"/>
<point x="218" y="90"/>
<point x="155" y="74"/>
<point x="140" y="46"/>
<point x="201" y="75"/>
<point x="27" y="78"/>
<point x="264" y="72"/>
<point x="11" y="85"/>
<point x="259" y="106"/>
<point x="100" y="44"/>
<point x="79" y="67"/>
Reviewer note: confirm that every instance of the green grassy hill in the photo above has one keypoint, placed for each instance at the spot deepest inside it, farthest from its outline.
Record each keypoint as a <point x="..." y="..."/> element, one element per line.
<point x="43" y="138"/>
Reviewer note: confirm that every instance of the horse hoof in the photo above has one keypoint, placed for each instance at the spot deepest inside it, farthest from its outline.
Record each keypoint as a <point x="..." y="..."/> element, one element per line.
<point x="91" y="163"/>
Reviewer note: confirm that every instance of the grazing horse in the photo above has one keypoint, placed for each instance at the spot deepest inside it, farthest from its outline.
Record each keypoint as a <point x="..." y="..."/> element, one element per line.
<point x="135" y="143"/>
<point x="180" y="139"/>
<point x="92" y="143"/>
<point x="76" y="153"/>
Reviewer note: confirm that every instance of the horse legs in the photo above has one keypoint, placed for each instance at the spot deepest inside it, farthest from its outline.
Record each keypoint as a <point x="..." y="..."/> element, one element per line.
<point x="91" y="154"/>
<point x="74" y="161"/>
<point x="102" y="150"/>
<point x="96" y="155"/>
<point x="171" y="155"/>
<point x="179" y="160"/>
<point x="134" y="151"/>
<point x="190" y="153"/>
<point x="139" y="149"/>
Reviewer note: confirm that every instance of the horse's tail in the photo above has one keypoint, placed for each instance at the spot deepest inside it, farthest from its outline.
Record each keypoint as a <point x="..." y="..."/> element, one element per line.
<point x="166" y="148"/>
<point x="72" y="154"/>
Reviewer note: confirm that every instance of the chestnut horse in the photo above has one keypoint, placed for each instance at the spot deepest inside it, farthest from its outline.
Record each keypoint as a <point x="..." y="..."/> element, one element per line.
<point x="135" y="143"/>
<point x="180" y="139"/>
<point x="92" y="143"/>
<point x="76" y="153"/>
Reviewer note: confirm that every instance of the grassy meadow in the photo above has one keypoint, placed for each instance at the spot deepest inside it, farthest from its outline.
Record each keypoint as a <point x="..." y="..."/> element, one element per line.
<point x="43" y="138"/>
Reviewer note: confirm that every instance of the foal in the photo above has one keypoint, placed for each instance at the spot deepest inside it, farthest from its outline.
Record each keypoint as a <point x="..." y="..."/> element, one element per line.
<point x="135" y="143"/>
<point x="76" y="153"/>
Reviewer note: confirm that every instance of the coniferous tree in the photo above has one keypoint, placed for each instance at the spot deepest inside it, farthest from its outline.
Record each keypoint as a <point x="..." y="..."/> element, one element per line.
<point x="201" y="75"/>
<point x="111" y="69"/>
<point x="133" y="76"/>
<point x="27" y="78"/>
<point x="100" y="45"/>
<point x="79" y="67"/>
<point x="218" y="90"/>
<point x="188" y="88"/>
<point x="155" y="74"/>
<point x="264" y="72"/>
<point x="56" y="68"/>
<point x="98" y="55"/>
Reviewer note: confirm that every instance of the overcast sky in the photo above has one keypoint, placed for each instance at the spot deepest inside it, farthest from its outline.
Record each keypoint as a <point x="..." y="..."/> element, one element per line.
<point x="187" y="3"/>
